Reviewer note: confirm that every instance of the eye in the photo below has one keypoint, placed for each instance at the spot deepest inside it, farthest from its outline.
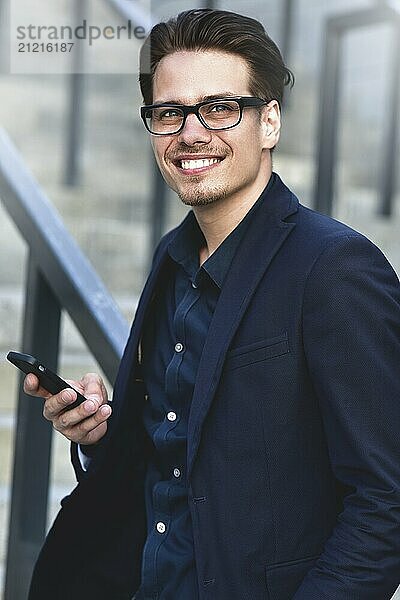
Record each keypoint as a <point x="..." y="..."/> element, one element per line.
<point x="220" y="108"/>
<point x="168" y="113"/>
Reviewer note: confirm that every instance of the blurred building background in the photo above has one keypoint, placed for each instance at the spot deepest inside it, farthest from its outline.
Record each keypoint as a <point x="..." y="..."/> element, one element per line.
<point x="104" y="196"/>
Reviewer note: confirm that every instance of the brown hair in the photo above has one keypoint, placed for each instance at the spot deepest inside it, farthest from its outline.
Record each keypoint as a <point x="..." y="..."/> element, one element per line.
<point x="208" y="29"/>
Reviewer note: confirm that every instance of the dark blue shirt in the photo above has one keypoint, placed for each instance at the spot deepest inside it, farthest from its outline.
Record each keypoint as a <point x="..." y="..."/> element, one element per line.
<point x="172" y="344"/>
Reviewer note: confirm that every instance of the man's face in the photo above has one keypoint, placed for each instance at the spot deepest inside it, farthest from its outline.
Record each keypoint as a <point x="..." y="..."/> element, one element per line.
<point x="242" y="163"/>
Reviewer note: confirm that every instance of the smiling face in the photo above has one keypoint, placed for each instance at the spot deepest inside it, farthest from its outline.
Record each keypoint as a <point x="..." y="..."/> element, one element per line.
<point x="205" y="166"/>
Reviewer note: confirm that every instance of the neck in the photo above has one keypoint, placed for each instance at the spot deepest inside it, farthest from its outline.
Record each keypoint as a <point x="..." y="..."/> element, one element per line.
<point x="219" y="219"/>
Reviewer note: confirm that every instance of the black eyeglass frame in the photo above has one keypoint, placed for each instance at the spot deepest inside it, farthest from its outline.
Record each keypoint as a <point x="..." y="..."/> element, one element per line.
<point x="243" y="101"/>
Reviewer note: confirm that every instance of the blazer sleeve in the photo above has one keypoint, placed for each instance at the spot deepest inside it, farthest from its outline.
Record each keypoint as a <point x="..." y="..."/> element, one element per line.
<point x="351" y="327"/>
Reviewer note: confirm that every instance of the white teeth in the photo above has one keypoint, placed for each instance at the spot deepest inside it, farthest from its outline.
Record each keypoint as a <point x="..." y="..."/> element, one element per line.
<point x="198" y="164"/>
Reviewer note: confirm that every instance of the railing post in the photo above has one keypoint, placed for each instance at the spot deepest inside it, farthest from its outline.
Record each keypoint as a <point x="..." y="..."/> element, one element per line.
<point x="74" y="134"/>
<point x="391" y="133"/>
<point x="287" y="29"/>
<point x="5" y="62"/>
<point x="286" y="41"/>
<point x="328" y="122"/>
<point x="32" y="444"/>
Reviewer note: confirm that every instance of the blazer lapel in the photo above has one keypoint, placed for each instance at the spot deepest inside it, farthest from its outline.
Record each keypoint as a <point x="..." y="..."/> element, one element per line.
<point x="264" y="236"/>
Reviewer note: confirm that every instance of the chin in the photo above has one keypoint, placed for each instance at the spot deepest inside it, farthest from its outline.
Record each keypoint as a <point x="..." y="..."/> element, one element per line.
<point x="201" y="197"/>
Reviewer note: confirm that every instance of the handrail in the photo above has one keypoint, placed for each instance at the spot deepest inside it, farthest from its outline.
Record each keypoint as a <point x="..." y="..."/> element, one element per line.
<point x="73" y="280"/>
<point x="58" y="277"/>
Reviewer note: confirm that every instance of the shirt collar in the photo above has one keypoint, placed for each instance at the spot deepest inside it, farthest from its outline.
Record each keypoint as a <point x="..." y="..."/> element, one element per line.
<point x="184" y="248"/>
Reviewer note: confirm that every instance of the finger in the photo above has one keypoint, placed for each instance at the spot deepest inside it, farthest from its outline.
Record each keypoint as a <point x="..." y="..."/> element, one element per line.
<point x="70" y="418"/>
<point x="57" y="404"/>
<point x="94" y="435"/>
<point x="81" y="431"/>
<point x="94" y="388"/>
<point x="32" y="387"/>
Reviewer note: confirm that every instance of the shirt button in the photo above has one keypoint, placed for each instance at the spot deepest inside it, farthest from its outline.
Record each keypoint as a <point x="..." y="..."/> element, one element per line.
<point x="178" y="347"/>
<point x="194" y="285"/>
<point x="177" y="472"/>
<point x="161" y="527"/>
<point x="171" y="416"/>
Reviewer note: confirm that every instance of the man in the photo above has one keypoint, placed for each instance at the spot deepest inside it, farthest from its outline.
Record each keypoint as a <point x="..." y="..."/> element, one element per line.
<point x="253" y="449"/>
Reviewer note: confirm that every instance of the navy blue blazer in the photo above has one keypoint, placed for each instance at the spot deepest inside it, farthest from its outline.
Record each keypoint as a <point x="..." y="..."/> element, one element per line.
<point x="293" y="442"/>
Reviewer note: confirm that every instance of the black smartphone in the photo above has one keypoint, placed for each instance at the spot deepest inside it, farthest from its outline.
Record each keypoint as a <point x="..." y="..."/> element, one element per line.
<point x="49" y="380"/>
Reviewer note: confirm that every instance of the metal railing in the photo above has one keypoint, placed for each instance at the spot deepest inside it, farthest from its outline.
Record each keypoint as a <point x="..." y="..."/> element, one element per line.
<point x="59" y="277"/>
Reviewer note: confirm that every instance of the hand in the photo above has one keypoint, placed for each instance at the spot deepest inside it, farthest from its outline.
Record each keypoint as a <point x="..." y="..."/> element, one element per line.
<point x="85" y="424"/>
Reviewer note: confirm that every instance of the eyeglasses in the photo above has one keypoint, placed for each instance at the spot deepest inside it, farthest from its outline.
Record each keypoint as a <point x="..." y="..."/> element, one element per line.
<point x="218" y="114"/>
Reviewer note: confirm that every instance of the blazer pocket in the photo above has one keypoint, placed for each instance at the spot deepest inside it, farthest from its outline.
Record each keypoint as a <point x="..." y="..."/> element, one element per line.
<point x="257" y="351"/>
<point x="284" y="579"/>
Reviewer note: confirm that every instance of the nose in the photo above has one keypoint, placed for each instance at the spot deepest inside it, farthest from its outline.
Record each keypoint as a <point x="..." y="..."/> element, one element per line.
<point x="194" y="132"/>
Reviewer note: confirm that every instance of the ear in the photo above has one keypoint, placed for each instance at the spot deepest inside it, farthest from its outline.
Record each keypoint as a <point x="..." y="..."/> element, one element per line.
<point x="271" y="124"/>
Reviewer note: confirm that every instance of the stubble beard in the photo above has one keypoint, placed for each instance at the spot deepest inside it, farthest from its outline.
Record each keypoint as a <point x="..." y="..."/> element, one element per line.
<point x="198" y="196"/>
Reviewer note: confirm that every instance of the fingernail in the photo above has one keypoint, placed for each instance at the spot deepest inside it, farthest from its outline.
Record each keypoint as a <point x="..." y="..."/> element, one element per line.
<point x="90" y="406"/>
<point x="94" y="399"/>
<point x="67" y="397"/>
<point x="105" y="410"/>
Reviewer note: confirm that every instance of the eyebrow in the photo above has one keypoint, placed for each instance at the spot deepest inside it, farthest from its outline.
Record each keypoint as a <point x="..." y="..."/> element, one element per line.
<point x="223" y="94"/>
